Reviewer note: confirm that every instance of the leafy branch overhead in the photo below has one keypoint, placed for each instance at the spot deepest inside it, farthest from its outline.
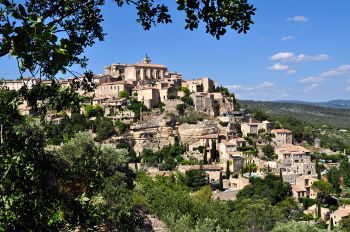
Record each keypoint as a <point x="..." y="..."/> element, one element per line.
<point x="47" y="37"/>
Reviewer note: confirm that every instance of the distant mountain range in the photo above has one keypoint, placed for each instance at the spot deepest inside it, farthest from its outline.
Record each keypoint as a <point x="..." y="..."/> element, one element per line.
<point x="342" y="104"/>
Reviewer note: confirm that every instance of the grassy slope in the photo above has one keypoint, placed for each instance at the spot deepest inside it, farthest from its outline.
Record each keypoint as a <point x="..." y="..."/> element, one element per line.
<point x="311" y="114"/>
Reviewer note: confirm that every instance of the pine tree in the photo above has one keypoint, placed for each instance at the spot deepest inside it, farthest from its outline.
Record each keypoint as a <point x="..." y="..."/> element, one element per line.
<point x="228" y="173"/>
<point x="221" y="184"/>
<point x="205" y="156"/>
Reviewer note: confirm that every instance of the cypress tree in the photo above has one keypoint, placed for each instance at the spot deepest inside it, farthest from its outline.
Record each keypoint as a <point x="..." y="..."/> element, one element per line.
<point x="318" y="210"/>
<point x="228" y="173"/>
<point x="281" y="176"/>
<point x="221" y="184"/>
<point x="318" y="170"/>
<point x="205" y="156"/>
<point x="332" y="224"/>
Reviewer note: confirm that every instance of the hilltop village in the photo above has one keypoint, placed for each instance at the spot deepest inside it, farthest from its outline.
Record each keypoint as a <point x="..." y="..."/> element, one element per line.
<point x="200" y="126"/>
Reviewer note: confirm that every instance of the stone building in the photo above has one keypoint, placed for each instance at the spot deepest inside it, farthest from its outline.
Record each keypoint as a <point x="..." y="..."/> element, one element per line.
<point x="138" y="71"/>
<point x="249" y="128"/>
<point x="341" y="213"/>
<point x="229" y="147"/>
<point x="295" y="159"/>
<point x="112" y="89"/>
<point x="205" y="103"/>
<point x="282" y="136"/>
<point x="213" y="171"/>
<point x="150" y="96"/>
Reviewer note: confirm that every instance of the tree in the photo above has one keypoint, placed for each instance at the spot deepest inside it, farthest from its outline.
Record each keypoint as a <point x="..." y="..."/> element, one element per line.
<point x="269" y="151"/>
<point x="46" y="37"/>
<point x="228" y="172"/>
<point x="254" y="215"/>
<point x="105" y="129"/>
<point x="205" y="156"/>
<point x="322" y="188"/>
<point x="333" y="177"/>
<point x="123" y="94"/>
<point x="296" y="226"/>
<point x="221" y="184"/>
<point x="344" y="224"/>
<point x="270" y="188"/>
<point x="250" y="168"/>
<point x="318" y="171"/>
<point x="196" y="178"/>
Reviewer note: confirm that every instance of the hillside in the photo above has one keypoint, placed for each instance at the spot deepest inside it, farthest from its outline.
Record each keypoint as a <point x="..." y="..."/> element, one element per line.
<point x="342" y="104"/>
<point x="309" y="113"/>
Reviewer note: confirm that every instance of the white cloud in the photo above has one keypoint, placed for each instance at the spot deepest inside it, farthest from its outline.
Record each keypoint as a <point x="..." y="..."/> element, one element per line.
<point x="343" y="70"/>
<point x="291" y="71"/>
<point x="347" y="88"/>
<point x="289" y="37"/>
<point x="266" y="84"/>
<point x="263" y="85"/>
<point x="348" y="81"/>
<point x="298" y="18"/>
<point x="311" y="87"/>
<point x="291" y="57"/>
<point x="278" y="67"/>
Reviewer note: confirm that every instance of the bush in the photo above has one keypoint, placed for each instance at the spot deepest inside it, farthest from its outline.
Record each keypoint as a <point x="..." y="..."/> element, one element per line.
<point x="122" y="127"/>
<point x="105" y="129"/>
<point x="224" y="124"/>
<point x="123" y="94"/>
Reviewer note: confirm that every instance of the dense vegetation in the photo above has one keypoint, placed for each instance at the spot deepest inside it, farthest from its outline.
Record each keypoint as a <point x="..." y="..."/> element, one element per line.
<point x="169" y="198"/>
<point x="338" y="118"/>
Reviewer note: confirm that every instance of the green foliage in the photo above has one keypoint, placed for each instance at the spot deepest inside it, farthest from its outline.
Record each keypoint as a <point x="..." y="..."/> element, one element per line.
<point x="166" y="154"/>
<point x="93" y="111"/>
<point x="333" y="177"/>
<point x="123" y="94"/>
<point x="322" y="188"/>
<point x="187" y="100"/>
<point x="307" y="202"/>
<point x="294" y="226"/>
<point x="136" y="107"/>
<point x="269" y="151"/>
<point x="224" y="124"/>
<point x="260" y="115"/>
<point x="192" y="118"/>
<point x="270" y="188"/>
<point x="104" y="129"/>
<point x="98" y="181"/>
<point x="196" y="178"/>
<point x="181" y="108"/>
<point x="122" y="127"/>
<point x="344" y="224"/>
<point x="249" y="168"/>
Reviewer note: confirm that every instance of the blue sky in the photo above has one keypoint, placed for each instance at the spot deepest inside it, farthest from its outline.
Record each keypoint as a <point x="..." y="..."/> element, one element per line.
<point x="296" y="49"/>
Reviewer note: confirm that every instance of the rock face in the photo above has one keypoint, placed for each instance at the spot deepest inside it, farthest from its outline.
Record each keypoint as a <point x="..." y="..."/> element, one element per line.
<point x="153" y="134"/>
<point x="192" y="133"/>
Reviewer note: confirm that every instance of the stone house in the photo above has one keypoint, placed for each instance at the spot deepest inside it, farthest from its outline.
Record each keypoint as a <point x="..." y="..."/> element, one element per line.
<point x="228" y="147"/>
<point x="282" y="136"/>
<point x="341" y="213"/>
<point x="205" y="103"/>
<point x="112" y="89"/>
<point x="249" y="128"/>
<point x="295" y="159"/>
<point x="213" y="171"/>
<point x="150" y="97"/>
